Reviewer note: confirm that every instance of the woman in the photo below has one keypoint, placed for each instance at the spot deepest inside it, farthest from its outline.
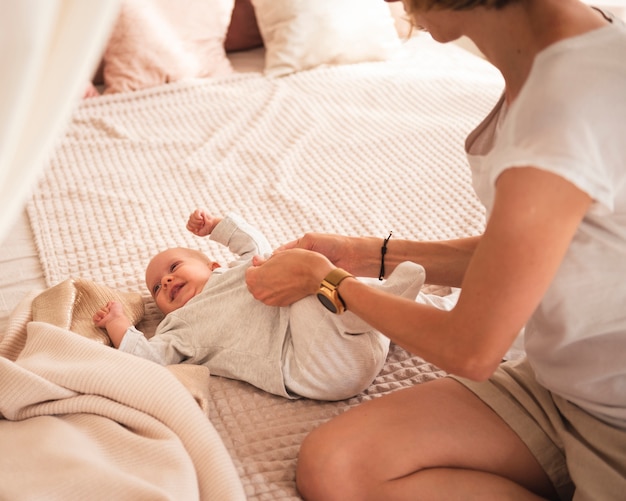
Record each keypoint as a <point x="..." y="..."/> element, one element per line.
<point x="549" y="163"/>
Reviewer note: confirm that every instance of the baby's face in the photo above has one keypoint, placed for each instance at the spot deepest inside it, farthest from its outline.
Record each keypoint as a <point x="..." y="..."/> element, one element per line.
<point x="176" y="275"/>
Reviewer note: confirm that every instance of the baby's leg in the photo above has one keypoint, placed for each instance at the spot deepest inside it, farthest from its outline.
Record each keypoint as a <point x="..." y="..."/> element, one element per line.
<point x="334" y="357"/>
<point x="324" y="362"/>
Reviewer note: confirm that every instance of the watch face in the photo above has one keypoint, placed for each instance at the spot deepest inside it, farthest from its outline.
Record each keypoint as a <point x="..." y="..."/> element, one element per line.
<point x="328" y="304"/>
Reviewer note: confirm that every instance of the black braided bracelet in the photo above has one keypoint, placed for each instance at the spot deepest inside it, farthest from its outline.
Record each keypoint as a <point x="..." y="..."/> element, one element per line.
<point x="383" y="251"/>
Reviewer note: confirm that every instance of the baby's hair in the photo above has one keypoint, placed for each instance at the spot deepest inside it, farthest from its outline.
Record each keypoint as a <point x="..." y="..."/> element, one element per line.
<point x="193" y="253"/>
<point x="196" y="254"/>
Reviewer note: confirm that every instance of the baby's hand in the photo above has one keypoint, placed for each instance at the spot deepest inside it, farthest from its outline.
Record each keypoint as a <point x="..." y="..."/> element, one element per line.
<point x="112" y="318"/>
<point x="108" y="313"/>
<point x="201" y="223"/>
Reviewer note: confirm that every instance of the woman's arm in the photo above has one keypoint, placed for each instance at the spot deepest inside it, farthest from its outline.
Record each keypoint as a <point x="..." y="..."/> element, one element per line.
<point x="445" y="261"/>
<point x="533" y="221"/>
<point x="504" y="275"/>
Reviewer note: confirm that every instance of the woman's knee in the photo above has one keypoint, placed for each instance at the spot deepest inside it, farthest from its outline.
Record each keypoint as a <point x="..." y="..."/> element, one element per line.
<point x="325" y="465"/>
<point x="307" y="468"/>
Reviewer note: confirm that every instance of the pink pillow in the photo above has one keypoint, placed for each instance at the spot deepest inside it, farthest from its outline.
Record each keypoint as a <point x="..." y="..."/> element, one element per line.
<point x="159" y="41"/>
<point x="243" y="32"/>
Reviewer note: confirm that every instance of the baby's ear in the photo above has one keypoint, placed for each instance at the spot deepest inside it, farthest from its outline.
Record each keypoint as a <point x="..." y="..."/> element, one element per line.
<point x="214" y="266"/>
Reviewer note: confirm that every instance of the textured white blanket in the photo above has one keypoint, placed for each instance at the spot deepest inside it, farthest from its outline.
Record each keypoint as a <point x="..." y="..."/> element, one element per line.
<point x="360" y="149"/>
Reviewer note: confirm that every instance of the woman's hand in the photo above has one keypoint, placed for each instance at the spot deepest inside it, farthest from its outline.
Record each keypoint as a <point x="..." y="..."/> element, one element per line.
<point x="357" y="255"/>
<point x="287" y="276"/>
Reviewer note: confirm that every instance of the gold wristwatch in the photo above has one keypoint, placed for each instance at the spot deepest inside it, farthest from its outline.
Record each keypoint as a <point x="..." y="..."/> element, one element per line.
<point x="328" y="294"/>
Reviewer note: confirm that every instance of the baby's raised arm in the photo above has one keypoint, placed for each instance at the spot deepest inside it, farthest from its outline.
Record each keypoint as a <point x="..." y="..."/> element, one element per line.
<point x="201" y="223"/>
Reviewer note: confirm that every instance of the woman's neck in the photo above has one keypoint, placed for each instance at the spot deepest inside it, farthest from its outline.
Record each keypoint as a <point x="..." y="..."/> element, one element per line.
<point x="511" y="38"/>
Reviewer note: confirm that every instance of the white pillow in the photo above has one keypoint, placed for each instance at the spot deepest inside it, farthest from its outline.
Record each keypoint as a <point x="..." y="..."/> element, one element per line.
<point x="303" y="34"/>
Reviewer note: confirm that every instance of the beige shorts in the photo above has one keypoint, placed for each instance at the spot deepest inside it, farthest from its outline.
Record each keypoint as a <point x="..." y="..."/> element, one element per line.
<point x="584" y="457"/>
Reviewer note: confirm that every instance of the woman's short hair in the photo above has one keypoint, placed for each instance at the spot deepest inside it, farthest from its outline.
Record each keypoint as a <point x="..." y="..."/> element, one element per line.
<point x="413" y="5"/>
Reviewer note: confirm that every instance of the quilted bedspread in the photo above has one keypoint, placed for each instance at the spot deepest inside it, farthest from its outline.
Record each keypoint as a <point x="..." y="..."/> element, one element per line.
<point x="357" y="149"/>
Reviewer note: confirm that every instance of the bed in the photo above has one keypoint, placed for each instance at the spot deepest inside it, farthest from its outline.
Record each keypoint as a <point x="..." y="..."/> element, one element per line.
<point x="356" y="145"/>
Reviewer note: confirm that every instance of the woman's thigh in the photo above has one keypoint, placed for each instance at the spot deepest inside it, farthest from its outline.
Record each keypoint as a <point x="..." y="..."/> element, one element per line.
<point x="392" y="441"/>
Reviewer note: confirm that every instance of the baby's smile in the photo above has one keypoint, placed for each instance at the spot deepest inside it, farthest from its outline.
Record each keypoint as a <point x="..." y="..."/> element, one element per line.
<point x="175" y="290"/>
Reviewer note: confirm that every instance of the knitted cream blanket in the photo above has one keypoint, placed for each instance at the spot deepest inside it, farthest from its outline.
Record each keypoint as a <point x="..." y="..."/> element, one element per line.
<point x="80" y="420"/>
<point x="359" y="149"/>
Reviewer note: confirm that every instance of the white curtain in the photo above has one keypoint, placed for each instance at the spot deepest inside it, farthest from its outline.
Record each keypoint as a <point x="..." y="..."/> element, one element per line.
<point x="48" y="52"/>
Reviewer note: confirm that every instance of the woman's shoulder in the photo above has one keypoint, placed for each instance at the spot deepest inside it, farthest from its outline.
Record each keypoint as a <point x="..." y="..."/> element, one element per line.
<point x="578" y="79"/>
<point x="599" y="50"/>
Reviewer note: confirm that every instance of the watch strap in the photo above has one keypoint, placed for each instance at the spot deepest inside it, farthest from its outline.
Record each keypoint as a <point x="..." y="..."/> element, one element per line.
<point x="328" y="293"/>
<point x="335" y="277"/>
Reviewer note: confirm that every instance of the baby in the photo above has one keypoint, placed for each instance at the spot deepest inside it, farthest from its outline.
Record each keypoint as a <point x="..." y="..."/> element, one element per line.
<point x="211" y="318"/>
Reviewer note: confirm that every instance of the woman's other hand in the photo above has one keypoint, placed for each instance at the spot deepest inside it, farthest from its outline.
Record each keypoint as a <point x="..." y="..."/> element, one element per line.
<point x="287" y="276"/>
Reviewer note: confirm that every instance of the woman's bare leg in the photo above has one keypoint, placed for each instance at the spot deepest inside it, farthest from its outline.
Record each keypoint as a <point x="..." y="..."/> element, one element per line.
<point x="432" y="441"/>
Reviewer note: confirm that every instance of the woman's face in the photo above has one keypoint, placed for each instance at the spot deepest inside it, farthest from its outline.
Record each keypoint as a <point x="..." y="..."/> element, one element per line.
<point x="444" y="25"/>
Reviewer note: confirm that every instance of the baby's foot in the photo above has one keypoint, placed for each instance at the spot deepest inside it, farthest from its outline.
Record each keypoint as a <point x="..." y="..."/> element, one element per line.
<point x="446" y="302"/>
<point x="405" y="280"/>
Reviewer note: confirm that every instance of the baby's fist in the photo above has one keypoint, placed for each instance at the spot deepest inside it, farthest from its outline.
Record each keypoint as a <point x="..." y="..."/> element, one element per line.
<point x="108" y="312"/>
<point x="201" y="223"/>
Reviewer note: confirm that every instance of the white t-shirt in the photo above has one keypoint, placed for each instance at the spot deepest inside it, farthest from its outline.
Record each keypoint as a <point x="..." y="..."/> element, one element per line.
<point x="570" y="119"/>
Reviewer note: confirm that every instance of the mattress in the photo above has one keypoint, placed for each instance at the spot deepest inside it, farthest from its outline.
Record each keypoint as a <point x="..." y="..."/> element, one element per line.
<point x="356" y="149"/>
